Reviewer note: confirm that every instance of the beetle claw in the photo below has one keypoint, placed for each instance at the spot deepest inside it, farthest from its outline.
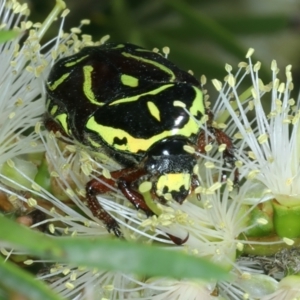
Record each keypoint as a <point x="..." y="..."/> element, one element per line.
<point x="178" y="241"/>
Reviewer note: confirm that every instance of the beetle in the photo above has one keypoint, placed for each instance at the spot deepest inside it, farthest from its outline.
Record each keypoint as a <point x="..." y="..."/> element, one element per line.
<point x="142" y="111"/>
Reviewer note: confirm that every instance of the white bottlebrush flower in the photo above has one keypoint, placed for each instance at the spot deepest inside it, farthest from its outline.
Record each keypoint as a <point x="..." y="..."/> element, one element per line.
<point x="21" y="104"/>
<point x="269" y="147"/>
<point x="213" y="227"/>
<point x="25" y="65"/>
<point x="269" y="141"/>
<point x="163" y="288"/>
<point x="81" y="283"/>
<point x="250" y="286"/>
<point x="288" y="289"/>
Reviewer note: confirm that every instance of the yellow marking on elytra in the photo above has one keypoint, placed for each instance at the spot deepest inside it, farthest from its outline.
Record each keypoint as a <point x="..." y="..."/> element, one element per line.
<point x="154" y="63"/>
<point x="74" y="62"/>
<point x="137" y="97"/>
<point x="133" y="145"/>
<point x="62" y="119"/>
<point x="174" y="181"/>
<point x="129" y="80"/>
<point x="53" y="110"/>
<point x="57" y="82"/>
<point x="154" y="111"/>
<point x="197" y="104"/>
<point x="87" y="85"/>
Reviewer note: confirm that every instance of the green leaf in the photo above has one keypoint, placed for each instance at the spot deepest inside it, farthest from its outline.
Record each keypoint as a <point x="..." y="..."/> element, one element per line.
<point x="108" y="254"/>
<point x="21" y="282"/>
<point x="8" y="35"/>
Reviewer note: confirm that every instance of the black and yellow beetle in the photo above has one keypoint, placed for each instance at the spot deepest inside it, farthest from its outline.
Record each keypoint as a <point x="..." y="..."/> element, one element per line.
<point x="141" y="110"/>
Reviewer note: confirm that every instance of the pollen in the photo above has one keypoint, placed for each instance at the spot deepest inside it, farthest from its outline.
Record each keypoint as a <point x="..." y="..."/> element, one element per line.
<point x="12" y="115"/>
<point x="10" y="163"/>
<point x="4" y="252"/>
<point x="240" y="246"/>
<point x="253" y="174"/>
<point x="238" y="135"/>
<point x="215" y="186"/>
<point x="189" y="149"/>
<point x="276" y="83"/>
<point x="36" y="187"/>
<point x="166" y="51"/>
<point x="70" y="192"/>
<point x="217" y="84"/>
<point x="28" y="262"/>
<point x="288" y="241"/>
<point x="262" y="221"/>
<point x="251" y="155"/>
<point x="65" y="13"/>
<point x="106" y="174"/>
<point x="246" y="296"/>
<point x="209" y="165"/>
<point x="31" y="202"/>
<point x="146" y="222"/>
<point x="66" y="271"/>
<point x="222" y="147"/>
<point x="203" y="80"/>
<point x="208" y="148"/>
<point x="54" y="174"/>
<point x="242" y="65"/>
<point x="254" y="94"/>
<point x="73" y="276"/>
<point x="262" y="138"/>
<point x="108" y="287"/>
<point x="228" y="68"/>
<point x="281" y="88"/>
<point x="85" y="22"/>
<point x="231" y="80"/>
<point x="196" y="169"/>
<point x="178" y="103"/>
<point x="104" y="39"/>
<point x="51" y="228"/>
<point x="69" y="285"/>
<point x="257" y="66"/>
<point x="250" y="52"/>
<point x="274" y="66"/>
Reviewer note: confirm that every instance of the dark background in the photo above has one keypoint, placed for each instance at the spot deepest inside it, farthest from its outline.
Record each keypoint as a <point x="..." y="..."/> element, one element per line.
<point x="203" y="35"/>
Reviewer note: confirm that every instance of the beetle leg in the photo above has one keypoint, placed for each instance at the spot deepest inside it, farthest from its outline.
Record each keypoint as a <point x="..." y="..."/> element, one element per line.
<point x="94" y="188"/>
<point x="194" y="184"/>
<point x="134" y="197"/>
<point x="51" y="125"/>
<point x="123" y="178"/>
